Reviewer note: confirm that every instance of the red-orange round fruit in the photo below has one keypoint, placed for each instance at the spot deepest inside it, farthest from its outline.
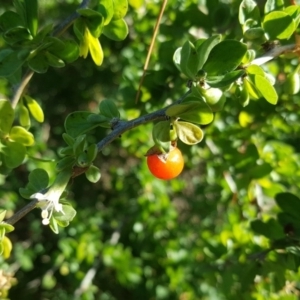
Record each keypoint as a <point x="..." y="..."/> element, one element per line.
<point x="166" y="166"/>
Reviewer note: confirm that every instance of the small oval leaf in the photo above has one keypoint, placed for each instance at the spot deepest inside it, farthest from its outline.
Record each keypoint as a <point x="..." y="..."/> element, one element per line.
<point x="35" y="109"/>
<point x="188" y="133"/>
<point x="21" y="135"/>
<point x="93" y="174"/>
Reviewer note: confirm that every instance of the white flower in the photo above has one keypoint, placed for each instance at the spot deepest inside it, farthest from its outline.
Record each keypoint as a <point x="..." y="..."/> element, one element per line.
<point x="49" y="201"/>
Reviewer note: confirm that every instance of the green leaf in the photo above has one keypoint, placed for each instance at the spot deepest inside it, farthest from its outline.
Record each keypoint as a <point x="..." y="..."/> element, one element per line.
<point x="99" y="120"/>
<point x="35" y="109"/>
<point x="7" y="227"/>
<point x="255" y="70"/>
<point x="266" y="89"/>
<point x="177" y="58"/>
<point x="225" y="57"/>
<point x="93" y="174"/>
<point x="68" y="139"/>
<point x="288" y="203"/>
<point x="7" y="115"/>
<point x="279" y="25"/>
<point x="224" y="80"/>
<point x="65" y="163"/>
<point x="53" y="60"/>
<point x="68" y="52"/>
<point x="260" y="171"/>
<point x="2" y="214"/>
<point x="14" y="154"/>
<point x="109" y="109"/>
<point x="80" y="144"/>
<point x="93" y="20"/>
<point x="10" y="19"/>
<point x="161" y="131"/>
<point x="16" y="35"/>
<point x="106" y="8"/>
<point x="21" y="135"/>
<point x="79" y="28"/>
<point x="120" y="9"/>
<point x="10" y="62"/>
<point x="188" y="133"/>
<point x="95" y="48"/>
<point x="38" y="179"/>
<point x="31" y="8"/>
<point x="38" y="63"/>
<point x="67" y="215"/>
<point x="92" y="152"/>
<point x="204" y="49"/>
<point x="189" y="60"/>
<point x="271" y="229"/>
<point x="77" y="123"/>
<point x="273" y="5"/>
<point x="294" y="12"/>
<point x="214" y="97"/>
<point x="192" y="111"/>
<point x="54" y="227"/>
<point x="82" y="160"/>
<point x="116" y="30"/>
<point x="42" y="34"/>
<point x="248" y="10"/>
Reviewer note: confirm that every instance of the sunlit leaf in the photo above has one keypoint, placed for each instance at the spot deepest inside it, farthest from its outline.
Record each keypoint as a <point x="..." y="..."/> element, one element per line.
<point x="35" y="109"/>
<point x="21" y="135"/>
<point x="225" y="57"/>
<point x="188" y="133"/>
<point x="266" y="89"/>
<point x="279" y="25"/>
<point x="205" y="48"/>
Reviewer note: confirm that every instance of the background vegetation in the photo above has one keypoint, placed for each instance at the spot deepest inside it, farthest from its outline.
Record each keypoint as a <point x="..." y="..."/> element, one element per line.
<point x="215" y="232"/>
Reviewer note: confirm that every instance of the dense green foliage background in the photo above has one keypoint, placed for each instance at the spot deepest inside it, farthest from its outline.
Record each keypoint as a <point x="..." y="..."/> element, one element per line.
<point x="137" y="237"/>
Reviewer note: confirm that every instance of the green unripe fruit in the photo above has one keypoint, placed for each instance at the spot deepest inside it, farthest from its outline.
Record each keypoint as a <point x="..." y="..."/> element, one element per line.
<point x="214" y="97"/>
<point x="254" y="33"/>
<point x="292" y="84"/>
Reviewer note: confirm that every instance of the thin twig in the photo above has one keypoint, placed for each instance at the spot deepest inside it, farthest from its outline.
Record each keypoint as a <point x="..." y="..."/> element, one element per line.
<point x="19" y="91"/>
<point x="59" y="29"/>
<point x="276" y="51"/>
<point x="164" y="4"/>
<point x="124" y="126"/>
<point x="22" y="212"/>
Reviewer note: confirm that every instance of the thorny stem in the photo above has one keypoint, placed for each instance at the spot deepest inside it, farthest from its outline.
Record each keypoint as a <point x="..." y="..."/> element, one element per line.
<point x="120" y="128"/>
<point x="123" y="126"/>
<point x="56" y="32"/>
